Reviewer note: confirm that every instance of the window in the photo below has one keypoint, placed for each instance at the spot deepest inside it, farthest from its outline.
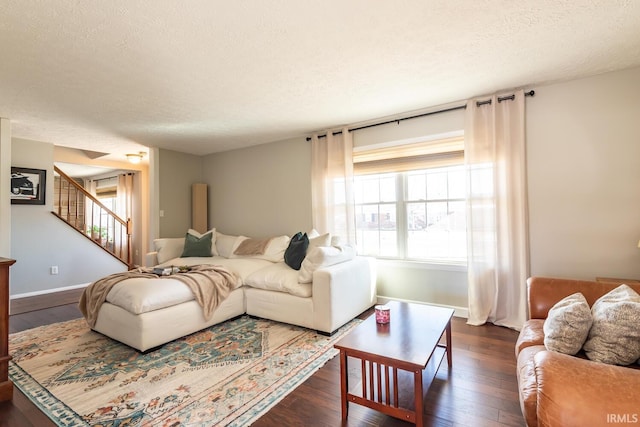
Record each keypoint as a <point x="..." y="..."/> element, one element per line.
<point x="107" y="194"/>
<point x="414" y="213"/>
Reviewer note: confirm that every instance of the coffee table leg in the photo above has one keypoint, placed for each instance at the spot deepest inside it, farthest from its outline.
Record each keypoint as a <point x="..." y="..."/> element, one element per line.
<point x="417" y="378"/>
<point x="449" y="355"/>
<point x="344" y="384"/>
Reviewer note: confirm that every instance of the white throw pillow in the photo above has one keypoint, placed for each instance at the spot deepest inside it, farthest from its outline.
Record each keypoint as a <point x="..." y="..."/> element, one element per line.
<point x="321" y="240"/>
<point x="168" y="248"/>
<point x="323" y="256"/>
<point x="567" y="325"/>
<point x="214" y="251"/>
<point x="336" y="241"/>
<point x="614" y="337"/>
<point x="226" y="244"/>
<point x="278" y="277"/>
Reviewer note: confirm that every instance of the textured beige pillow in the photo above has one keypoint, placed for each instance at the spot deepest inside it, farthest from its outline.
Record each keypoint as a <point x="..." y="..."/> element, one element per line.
<point x="275" y="249"/>
<point x="614" y="337"/>
<point x="567" y="325"/>
<point x="252" y="247"/>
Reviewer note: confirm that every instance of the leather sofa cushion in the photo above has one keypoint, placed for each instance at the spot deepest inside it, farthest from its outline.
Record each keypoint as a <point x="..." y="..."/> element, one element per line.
<point x="531" y="334"/>
<point x="545" y="292"/>
<point x="528" y="384"/>
<point x="574" y="392"/>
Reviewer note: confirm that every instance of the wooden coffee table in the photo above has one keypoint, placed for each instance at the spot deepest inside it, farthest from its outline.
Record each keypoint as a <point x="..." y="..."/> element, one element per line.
<point x="409" y="342"/>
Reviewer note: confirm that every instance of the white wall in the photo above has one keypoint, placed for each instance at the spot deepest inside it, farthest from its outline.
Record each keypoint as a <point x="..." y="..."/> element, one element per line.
<point x="39" y="240"/>
<point x="583" y="143"/>
<point x="177" y="171"/>
<point x="260" y="191"/>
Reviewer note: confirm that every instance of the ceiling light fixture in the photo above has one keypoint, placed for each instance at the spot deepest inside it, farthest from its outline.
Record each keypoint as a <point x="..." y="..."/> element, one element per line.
<point x="135" y="158"/>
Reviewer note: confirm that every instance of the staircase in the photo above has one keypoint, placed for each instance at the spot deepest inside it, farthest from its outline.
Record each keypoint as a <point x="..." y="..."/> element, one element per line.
<point x="84" y="213"/>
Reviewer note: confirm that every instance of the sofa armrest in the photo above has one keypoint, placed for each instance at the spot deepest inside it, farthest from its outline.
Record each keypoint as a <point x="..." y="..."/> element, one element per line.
<point x="151" y="259"/>
<point x="342" y="291"/>
<point x="578" y="392"/>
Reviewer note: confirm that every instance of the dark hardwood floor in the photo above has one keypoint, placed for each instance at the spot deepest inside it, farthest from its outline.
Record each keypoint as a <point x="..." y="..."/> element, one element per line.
<point x="480" y="389"/>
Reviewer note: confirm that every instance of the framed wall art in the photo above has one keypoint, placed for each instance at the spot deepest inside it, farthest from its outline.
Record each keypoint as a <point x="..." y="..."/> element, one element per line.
<point x="28" y="186"/>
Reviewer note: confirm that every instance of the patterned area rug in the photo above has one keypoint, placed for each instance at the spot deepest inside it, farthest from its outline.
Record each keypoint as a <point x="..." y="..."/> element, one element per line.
<point x="228" y="375"/>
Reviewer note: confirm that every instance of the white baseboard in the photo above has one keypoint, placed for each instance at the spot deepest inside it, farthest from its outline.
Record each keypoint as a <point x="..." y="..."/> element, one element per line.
<point x="30" y="301"/>
<point x="48" y="291"/>
<point x="458" y="311"/>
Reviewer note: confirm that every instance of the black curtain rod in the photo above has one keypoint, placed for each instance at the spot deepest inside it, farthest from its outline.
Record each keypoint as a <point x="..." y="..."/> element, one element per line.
<point x="446" y="110"/>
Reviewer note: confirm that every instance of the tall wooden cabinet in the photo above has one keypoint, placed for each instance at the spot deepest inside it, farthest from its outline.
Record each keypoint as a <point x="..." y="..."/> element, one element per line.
<point x="6" y="386"/>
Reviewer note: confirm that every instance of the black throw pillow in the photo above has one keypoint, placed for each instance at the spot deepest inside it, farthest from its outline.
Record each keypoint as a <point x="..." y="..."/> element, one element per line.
<point x="297" y="250"/>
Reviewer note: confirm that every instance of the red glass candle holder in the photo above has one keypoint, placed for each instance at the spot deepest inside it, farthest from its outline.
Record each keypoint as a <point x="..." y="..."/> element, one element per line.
<point x="383" y="314"/>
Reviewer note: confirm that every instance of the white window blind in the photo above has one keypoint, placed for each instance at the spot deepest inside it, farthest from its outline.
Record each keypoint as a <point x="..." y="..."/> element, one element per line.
<point x="431" y="154"/>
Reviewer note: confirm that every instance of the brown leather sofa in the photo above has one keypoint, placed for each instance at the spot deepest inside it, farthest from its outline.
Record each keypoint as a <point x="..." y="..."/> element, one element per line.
<point x="557" y="390"/>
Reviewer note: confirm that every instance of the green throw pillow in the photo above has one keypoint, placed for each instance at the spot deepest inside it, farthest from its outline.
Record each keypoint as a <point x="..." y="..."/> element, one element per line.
<point x="194" y="246"/>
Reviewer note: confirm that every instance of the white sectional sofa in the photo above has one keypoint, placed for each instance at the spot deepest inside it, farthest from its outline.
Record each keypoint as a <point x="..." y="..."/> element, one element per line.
<point x="332" y="287"/>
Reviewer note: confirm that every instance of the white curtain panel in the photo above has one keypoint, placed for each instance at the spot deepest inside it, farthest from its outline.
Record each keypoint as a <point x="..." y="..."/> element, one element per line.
<point x="124" y="192"/>
<point x="498" y="247"/>
<point x="332" y="185"/>
<point x="124" y="209"/>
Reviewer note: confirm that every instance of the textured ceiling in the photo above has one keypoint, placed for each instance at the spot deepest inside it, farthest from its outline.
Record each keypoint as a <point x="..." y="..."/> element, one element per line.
<point x="202" y="76"/>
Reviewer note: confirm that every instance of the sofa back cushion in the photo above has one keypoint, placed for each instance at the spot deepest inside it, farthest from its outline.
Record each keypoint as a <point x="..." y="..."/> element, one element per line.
<point x="544" y="292"/>
<point x="226" y="244"/>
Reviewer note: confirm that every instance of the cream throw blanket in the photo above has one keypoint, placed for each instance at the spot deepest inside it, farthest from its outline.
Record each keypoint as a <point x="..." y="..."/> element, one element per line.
<point x="210" y="285"/>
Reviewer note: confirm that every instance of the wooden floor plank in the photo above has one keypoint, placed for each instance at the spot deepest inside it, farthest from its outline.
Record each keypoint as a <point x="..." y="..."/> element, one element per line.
<point x="480" y="390"/>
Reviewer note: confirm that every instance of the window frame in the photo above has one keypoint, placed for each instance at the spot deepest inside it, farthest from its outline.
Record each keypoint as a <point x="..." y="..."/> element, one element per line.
<point x="402" y="201"/>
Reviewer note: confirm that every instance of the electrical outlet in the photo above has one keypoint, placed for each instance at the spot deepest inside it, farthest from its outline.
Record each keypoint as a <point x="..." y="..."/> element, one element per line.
<point x="53" y="269"/>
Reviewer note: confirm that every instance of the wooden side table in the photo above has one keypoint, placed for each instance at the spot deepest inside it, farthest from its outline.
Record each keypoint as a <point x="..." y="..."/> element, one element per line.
<point x="6" y="386"/>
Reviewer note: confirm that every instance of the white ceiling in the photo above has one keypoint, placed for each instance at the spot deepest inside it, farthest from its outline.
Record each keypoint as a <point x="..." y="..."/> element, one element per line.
<point x="202" y="76"/>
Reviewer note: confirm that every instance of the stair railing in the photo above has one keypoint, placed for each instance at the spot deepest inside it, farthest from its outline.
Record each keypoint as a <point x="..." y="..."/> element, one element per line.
<point x="86" y="214"/>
